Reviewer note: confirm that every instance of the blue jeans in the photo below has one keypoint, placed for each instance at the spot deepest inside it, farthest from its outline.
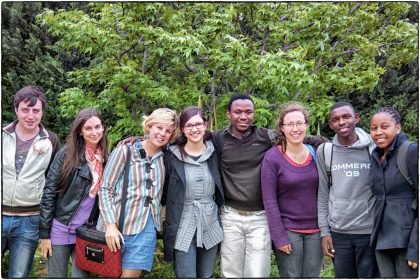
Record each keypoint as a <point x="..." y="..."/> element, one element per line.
<point x="196" y="263"/>
<point x="58" y="263"/>
<point x="354" y="257"/>
<point x="20" y="235"/>
<point x="392" y="264"/>
<point x="306" y="258"/>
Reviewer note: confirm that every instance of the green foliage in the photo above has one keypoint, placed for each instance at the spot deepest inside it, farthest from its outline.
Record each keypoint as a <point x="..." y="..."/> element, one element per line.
<point x="160" y="269"/>
<point x="5" y="265"/>
<point x="29" y="58"/>
<point x="148" y="55"/>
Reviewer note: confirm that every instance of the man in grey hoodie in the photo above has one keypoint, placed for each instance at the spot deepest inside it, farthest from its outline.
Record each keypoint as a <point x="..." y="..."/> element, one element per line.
<point x="345" y="202"/>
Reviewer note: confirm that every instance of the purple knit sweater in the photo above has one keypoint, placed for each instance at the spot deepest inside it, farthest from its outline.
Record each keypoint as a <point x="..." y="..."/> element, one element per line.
<point x="289" y="195"/>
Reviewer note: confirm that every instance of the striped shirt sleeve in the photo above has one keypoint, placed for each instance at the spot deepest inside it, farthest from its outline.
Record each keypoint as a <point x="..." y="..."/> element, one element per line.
<point x="111" y="184"/>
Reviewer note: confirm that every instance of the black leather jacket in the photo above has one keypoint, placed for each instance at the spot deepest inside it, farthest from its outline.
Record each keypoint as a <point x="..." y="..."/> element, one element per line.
<point x="62" y="206"/>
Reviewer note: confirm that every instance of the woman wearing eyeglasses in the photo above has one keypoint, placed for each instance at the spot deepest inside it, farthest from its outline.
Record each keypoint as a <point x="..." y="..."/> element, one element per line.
<point x="193" y="194"/>
<point x="144" y="190"/>
<point x="289" y="183"/>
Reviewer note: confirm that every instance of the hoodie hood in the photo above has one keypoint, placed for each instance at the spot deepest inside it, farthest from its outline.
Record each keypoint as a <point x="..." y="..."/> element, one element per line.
<point x="350" y="199"/>
<point x="364" y="140"/>
<point x="206" y="154"/>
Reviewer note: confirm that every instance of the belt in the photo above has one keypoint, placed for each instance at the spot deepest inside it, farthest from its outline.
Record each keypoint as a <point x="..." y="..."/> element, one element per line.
<point x="243" y="212"/>
<point x="199" y="218"/>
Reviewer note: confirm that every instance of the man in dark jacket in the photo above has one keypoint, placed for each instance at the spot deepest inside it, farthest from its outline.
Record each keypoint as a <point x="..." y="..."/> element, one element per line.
<point x="246" y="245"/>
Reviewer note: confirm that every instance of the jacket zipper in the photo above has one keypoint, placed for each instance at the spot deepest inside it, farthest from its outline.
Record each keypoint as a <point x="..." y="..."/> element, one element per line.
<point x="74" y="215"/>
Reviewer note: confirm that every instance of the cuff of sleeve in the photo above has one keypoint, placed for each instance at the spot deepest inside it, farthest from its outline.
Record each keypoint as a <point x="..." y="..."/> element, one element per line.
<point x="325" y="231"/>
<point x="412" y="255"/>
<point x="44" y="234"/>
<point x="281" y="241"/>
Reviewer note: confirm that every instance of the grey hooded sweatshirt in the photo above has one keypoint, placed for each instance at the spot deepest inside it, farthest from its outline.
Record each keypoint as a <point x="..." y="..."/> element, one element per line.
<point x="346" y="206"/>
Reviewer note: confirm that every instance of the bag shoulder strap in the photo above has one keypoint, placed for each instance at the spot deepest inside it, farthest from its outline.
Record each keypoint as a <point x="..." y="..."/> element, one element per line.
<point x="327" y="150"/>
<point x="402" y="161"/>
<point x="219" y="141"/>
<point x="272" y="136"/>
<point x="125" y="187"/>
<point x="311" y="150"/>
<point x="95" y="210"/>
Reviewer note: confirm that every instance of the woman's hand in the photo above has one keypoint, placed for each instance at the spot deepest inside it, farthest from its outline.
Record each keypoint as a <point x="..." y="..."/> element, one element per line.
<point x="413" y="264"/>
<point x="286" y="249"/>
<point x="113" y="238"/>
<point x="46" y="248"/>
<point x="129" y="140"/>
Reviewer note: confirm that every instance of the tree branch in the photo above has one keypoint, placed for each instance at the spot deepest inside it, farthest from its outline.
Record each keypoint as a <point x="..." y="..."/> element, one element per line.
<point x="192" y="70"/>
<point x="352" y="10"/>
<point x="350" y="51"/>
<point x="175" y="5"/>
<point x="266" y="35"/>
<point x="143" y="67"/>
<point x="319" y="64"/>
<point x="287" y="47"/>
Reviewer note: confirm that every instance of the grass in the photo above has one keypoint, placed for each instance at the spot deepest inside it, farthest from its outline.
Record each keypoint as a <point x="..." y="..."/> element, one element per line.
<point x="160" y="268"/>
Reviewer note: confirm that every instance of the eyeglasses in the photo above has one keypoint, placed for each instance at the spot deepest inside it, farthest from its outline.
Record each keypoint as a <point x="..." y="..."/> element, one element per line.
<point x="298" y="125"/>
<point x="189" y="126"/>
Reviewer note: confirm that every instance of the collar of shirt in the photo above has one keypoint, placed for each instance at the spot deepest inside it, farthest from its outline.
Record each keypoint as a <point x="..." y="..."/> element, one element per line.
<point x="248" y="132"/>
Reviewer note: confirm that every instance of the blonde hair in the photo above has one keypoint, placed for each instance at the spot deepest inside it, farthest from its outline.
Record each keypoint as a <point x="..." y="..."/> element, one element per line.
<point x="162" y="116"/>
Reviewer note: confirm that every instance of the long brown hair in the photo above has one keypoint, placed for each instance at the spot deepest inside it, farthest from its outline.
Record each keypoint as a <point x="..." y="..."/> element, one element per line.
<point x="75" y="145"/>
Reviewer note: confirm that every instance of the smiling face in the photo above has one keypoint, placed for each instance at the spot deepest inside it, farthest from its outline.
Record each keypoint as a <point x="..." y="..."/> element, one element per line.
<point x="92" y="132"/>
<point x="383" y="130"/>
<point x="294" y="127"/>
<point x="343" y="121"/>
<point x="241" y="116"/>
<point x="160" y="134"/>
<point x="194" y="129"/>
<point x="29" y="117"/>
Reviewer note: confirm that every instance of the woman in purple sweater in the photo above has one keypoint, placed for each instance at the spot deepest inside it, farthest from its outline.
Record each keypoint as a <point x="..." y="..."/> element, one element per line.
<point x="289" y="182"/>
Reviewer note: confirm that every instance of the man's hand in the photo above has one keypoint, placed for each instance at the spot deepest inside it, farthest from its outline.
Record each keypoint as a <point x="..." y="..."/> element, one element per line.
<point x="129" y="140"/>
<point x="286" y="249"/>
<point x="46" y="248"/>
<point x="327" y="246"/>
<point x="413" y="264"/>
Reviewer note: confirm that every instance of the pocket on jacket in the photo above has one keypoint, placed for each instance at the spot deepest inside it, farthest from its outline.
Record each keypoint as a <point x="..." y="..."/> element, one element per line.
<point x="349" y="214"/>
<point x="407" y="215"/>
<point x="210" y="215"/>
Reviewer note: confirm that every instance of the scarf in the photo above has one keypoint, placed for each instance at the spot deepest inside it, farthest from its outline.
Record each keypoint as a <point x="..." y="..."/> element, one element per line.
<point x="95" y="164"/>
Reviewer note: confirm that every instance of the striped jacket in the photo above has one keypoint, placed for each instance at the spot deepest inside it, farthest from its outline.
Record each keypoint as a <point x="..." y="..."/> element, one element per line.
<point x="138" y="192"/>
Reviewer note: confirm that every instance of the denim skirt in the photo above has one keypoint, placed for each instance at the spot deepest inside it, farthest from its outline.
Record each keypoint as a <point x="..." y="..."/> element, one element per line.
<point x="138" y="249"/>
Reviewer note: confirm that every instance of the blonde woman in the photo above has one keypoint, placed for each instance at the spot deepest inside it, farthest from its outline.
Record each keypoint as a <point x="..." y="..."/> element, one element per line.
<point x="146" y="176"/>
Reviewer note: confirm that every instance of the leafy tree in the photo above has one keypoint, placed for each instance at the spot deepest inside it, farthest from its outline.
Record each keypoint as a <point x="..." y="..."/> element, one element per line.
<point x="29" y="58"/>
<point x="146" y="55"/>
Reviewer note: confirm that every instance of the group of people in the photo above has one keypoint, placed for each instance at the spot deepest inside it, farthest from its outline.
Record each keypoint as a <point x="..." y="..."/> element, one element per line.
<point x="241" y="192"/>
